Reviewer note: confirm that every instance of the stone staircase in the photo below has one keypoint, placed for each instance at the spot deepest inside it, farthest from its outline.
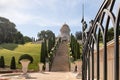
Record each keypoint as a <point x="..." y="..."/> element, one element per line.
<point x="61" y="60"/>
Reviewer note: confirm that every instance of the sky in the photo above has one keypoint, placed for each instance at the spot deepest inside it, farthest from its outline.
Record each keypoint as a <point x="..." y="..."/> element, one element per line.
<point x="33" y="16"/>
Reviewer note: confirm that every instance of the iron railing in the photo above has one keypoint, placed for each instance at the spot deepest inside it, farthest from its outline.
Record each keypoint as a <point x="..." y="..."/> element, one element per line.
<point x="105" y="18"/>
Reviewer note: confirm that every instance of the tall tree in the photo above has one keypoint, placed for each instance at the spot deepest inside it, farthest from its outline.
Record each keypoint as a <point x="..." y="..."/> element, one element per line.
<point x="45" y="34"/>
<point x="75" y="48"/>
<point x="78" y="35"/>
<point x="8" y="31"/>
<point x="110" y="34"/>
<point x="42" y="54"/>
<point x="50" y="45"/>
<point x="19" y="38"/>
<point x="42" y="35"/>
<point x="45" y="49"/>
<point x="27" y="39"/>
<point x="78" y="51"/>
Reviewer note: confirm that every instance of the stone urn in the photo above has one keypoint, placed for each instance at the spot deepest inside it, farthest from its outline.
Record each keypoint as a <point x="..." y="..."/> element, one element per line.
<point x="40" y="67"/>
<point x="25" y="63"/>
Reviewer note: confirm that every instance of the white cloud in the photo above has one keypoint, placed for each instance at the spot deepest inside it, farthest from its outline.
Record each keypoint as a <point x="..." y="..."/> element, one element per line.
<point x="17" y="17"/>
<point x="13" y="4"/>
<point x="14" y="10"/>
<point x="17" y="11"/>
<point x="45" y="2"/>
<point x="43" y="12"/>
<point x="41" y="21"/>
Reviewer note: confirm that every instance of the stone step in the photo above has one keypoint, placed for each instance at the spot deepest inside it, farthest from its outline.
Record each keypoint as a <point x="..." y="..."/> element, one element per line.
<point x="61" y="60"/>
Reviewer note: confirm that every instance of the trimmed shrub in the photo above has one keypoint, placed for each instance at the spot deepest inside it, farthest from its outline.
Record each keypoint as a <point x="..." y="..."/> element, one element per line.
<point x="2" y="62"/>
<point x="26" y="56"/>
<point x="13" y="63"/>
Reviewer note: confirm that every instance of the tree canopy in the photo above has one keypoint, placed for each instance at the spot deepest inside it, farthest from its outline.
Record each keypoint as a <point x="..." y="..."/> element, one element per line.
<point x="9" y="33"/>
<point x="78" y="35"/>
<point x="45" y="34"/>
<point x="48" y="42"/>
<point x="110" y="34"/>
<point x="75" y="48"/>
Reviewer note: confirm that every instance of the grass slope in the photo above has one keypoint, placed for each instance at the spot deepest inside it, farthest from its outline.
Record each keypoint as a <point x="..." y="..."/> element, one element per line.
<point x="9" y="50"/>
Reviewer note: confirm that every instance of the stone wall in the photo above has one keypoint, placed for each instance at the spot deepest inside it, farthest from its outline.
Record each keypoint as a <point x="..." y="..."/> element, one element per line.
<point x="110" y="61"/>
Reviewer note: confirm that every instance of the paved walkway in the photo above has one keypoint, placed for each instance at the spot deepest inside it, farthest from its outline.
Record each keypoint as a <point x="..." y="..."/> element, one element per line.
<point x="44" y="76"/>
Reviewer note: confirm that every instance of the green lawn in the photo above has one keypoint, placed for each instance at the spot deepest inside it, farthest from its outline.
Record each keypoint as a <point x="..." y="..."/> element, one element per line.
<point x="9" y="50"/>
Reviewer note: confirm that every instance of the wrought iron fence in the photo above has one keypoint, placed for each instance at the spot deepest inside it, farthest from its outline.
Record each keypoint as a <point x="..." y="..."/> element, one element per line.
<point x="105" y="18"/>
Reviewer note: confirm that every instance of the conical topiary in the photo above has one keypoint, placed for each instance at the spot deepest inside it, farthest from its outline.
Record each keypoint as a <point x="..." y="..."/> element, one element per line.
<point x="2" y="62"/>
<point x="13" y="63"/>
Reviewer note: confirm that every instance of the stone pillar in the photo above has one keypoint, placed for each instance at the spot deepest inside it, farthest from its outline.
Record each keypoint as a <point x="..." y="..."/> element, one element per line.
<point x="47" y="66"/>
<point x="72" y="67"/>
<point x="79" y="70"/>
<point x="40" y="67"/>
<point x="79" y="65"/>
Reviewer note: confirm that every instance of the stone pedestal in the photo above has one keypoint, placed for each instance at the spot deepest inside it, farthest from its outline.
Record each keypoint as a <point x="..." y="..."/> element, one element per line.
<point x="72" y="67"/>
<point x="79" y="65"/>
<point x="47" y="67"/>
<point x="40" y="67"/>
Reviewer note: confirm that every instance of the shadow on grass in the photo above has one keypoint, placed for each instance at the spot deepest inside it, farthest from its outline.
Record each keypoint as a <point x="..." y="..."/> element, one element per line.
<point x="9" y="46"/>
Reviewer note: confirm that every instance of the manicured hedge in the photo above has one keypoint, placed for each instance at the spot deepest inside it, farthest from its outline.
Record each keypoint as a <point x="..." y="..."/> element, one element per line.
<point x="26" y="56"/>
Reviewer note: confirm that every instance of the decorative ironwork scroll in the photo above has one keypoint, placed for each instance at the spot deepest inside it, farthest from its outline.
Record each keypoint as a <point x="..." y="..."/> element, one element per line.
<point x="100" y="25"/>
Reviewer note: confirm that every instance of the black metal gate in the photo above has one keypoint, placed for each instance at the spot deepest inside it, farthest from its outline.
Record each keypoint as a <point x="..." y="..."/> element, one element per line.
<point x="105" y="18"/>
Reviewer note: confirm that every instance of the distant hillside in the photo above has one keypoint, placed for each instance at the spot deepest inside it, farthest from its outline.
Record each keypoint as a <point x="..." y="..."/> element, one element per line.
<point x="9" y="50"/>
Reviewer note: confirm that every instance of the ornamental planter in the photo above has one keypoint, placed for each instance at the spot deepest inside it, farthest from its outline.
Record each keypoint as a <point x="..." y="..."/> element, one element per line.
<point x="25" y="64"/>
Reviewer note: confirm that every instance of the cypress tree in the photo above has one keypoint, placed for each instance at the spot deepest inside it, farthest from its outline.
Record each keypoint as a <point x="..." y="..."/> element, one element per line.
<point x="78" y="51"/>
<point x="13" y="63"/>
<point x="42" y="55"/>
<point x="71" y="43"/>
<point x="72" y="46"/>
<point x="44" y="52"/>
<point x="49" y="45"/>
<point x="75" y="48"/>
<point x="53" y="40"/>
<point x="45" y="49"/>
